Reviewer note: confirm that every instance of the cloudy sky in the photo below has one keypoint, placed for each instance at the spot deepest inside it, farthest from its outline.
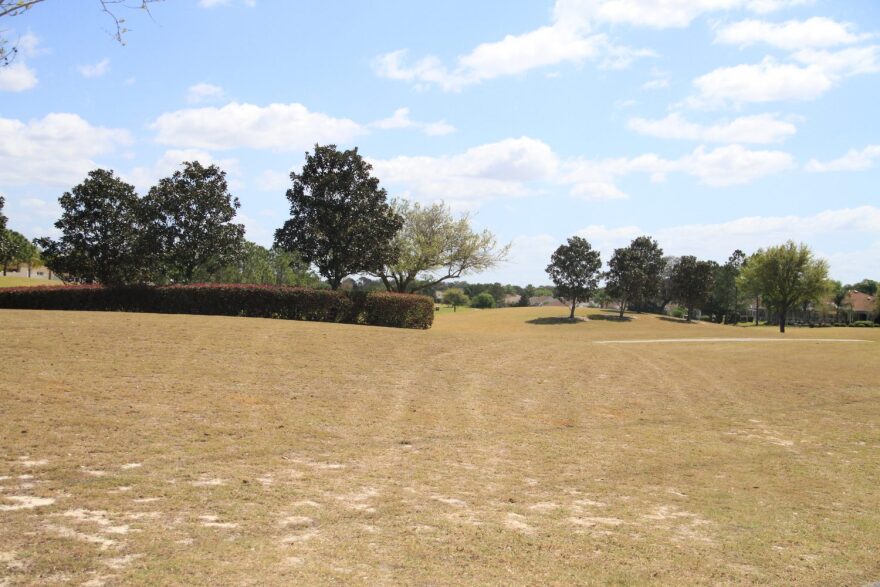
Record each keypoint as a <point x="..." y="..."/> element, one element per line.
<point x="709" y="124"/>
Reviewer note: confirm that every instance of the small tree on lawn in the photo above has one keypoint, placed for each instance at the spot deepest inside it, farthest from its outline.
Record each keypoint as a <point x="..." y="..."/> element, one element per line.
<point x="455" y="297"/>
<point x="340" y="219"/>
<point x="15" y="249"/>
<point x="788" y="275"/>
<point x="634" y="272"/>
<point x="574" y="269"/>
<point x="483" y="301"/>
<point x="692" y="282"/>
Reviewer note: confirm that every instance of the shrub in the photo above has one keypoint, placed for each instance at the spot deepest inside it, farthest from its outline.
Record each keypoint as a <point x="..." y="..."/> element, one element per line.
<point x="863" y="324"/>
<point x="256" y="301"/>
<point x="483" y="300"/>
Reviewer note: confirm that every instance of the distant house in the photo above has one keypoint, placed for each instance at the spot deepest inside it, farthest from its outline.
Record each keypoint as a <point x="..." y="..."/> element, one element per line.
<point x="860" y="306"/>
<point x="511" y="299"/>
<point x="546" y="301"/>
<point x="33" y="272"/>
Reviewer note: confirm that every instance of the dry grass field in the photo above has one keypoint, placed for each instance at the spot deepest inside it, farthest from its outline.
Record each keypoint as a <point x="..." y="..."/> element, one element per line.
<point x="500" y="447"/>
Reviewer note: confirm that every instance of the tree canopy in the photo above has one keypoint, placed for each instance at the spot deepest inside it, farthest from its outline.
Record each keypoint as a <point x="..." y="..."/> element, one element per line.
<point x="692" y="282"/>
<point x="340" y="219"/>
<point x="15" y="248"/>
<point x="100" y="230"/>
<point x="189" y="223"/>
<point x="434" y="246"/>
<point x="634" y="272"/>
<point x="787" y="275"/>
<point x="3" y="218"/>
<point x="574" y="268"/>
<point x="455" y="297"/>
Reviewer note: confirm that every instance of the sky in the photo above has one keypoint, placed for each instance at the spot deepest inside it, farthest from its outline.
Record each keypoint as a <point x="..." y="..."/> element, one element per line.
<point x="710" y="125"/>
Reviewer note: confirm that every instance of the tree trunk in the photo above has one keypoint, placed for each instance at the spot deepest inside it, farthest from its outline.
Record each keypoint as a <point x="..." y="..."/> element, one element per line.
<point x="573" y="304"/>
<point x="783" y="312"/>
<point x="29" y="270"/>
<point x="757" y="307"/>
<point x="690" y="311"/>
<point x="622" y="308"/>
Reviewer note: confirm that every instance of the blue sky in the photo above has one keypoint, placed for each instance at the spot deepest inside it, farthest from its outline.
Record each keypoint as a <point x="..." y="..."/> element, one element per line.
<point x="709" y="124"/>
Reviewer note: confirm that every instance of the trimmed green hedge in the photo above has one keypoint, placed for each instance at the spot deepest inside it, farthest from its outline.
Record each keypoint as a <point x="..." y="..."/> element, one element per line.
<point x="222" y="299"/>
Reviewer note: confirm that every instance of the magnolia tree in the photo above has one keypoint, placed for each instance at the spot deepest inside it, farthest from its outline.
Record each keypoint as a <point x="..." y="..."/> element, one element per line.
<point x="340" y="219"/>
<point x="692" y="282"/>
<point x="574" y="269"/>
<point x="634" y="273"/>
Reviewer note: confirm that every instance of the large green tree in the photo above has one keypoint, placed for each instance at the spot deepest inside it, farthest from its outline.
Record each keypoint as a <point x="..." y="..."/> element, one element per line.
<point x="259" y="265"/>
<point x="634" y="273"/>
<point x="433" y="246"/>
<point x="787" y="276"/>
<point x="340" y="219"/>
<point x="575" y="270"/>
<point x="189" y="219"/>
<point x="15" y="248"/>
<point x="724" y="301"/>
<point x="692" y="282"/>
<point x="100" y="233"/>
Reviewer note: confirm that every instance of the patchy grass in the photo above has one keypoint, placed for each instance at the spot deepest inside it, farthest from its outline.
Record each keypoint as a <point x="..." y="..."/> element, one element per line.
<point x="152" y="449"/>
<point x="447" y="309"/>
<point x="9" y="281"/>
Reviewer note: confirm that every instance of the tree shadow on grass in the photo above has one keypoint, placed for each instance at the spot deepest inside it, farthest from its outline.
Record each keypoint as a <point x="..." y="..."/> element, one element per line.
<point x="678" y="320"/>
<point x="555" y="320"/>
<point x="610" y="317"/>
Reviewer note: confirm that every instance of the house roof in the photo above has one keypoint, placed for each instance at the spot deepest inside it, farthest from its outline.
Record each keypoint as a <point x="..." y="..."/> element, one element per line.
<point x="545" y="301"/>
<point x="860" y="302"/>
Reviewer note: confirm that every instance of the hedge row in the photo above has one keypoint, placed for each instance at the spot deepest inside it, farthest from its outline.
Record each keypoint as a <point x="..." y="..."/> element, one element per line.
<point x="221" y="299"/>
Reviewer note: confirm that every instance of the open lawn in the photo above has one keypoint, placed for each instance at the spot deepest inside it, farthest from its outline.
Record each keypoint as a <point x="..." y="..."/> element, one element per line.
<point x="10" y="281"/>
<point x="499" y="447"/>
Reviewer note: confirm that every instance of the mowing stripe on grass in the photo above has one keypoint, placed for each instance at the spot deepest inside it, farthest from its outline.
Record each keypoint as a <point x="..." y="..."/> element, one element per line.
<point x="661" y="340"/>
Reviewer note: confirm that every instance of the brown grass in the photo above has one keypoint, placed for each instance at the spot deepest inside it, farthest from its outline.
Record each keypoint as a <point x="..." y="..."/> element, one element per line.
<point x="491" y="449"/>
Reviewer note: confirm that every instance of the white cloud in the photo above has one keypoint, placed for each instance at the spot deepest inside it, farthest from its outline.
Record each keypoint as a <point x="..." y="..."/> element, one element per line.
<point x="29" y="45"/>
<point x="95" y="69"/>
<point x="203" y="92"/>
<point x="526" y="166"/>
<point x="760" y="128"/>
<point x="815" y="72"/>
<point x="55" y="150"/>
<point x="279" y="127"/>
<point x="401" y="119"/>
<point x="656" y="84"/>
<point x="815" y="32"/>
<point x="143" y="178"/>
<point x="507" y="168"/>
<point x="853" y="161"/>
<point x="17" y="77"/>
<point x="660" y="14"/>
<point x="273" y="181"/>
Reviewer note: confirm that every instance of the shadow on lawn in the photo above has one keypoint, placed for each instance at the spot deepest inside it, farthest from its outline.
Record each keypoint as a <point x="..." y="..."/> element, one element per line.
<point x="610" y="317"/>
<point x="555" y="320"/>
<point x="678" y="320"/>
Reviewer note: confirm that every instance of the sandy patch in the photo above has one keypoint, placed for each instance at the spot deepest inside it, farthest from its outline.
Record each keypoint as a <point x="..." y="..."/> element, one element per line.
<point x="358" y="500"/>
<point x="208" y="482"/>
<point x="544" y="506"/>
<point x="296" y="522"/>
<point x="214" y="522"/>
<point x="129" y="466"/>
<point x="121" y="562"/>
<point x="25" y="502"/>
<point x="517" y="522"/>
<point x="593" y="521"/>
<point x="449" y="500"/>
<point x="65" y="532"/>
<point x="306" y="503"/>
<point x="304" y="537"/>
<point x="146" y="499"/>
<point x="99" y="518"/>
<point x="29" y="462"/>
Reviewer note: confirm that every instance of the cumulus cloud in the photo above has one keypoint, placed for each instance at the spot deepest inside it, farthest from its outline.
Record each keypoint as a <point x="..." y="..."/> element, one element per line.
<point x="759" y="128"/>
<point x="94" y="69"/>
<point x="507" y="168"/>
<point x="280" y="127"/>
<point x="17" y="77"/>
<point x="525" y="166"/>
<point x="815" y="32"/>
<point x="55" y="150"/>
<point x="401" y="119"/>
<point x="854" y="160"/>
<point x="203" y="92"/>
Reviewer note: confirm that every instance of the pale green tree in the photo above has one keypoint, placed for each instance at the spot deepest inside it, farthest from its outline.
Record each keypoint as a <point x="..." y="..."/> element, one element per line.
<point x="434" y="245"/>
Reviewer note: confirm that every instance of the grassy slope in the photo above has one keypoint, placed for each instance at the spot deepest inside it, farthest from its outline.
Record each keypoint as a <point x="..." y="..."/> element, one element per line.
<point x="9" y="281"/>
<point x="489" y="449"/>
